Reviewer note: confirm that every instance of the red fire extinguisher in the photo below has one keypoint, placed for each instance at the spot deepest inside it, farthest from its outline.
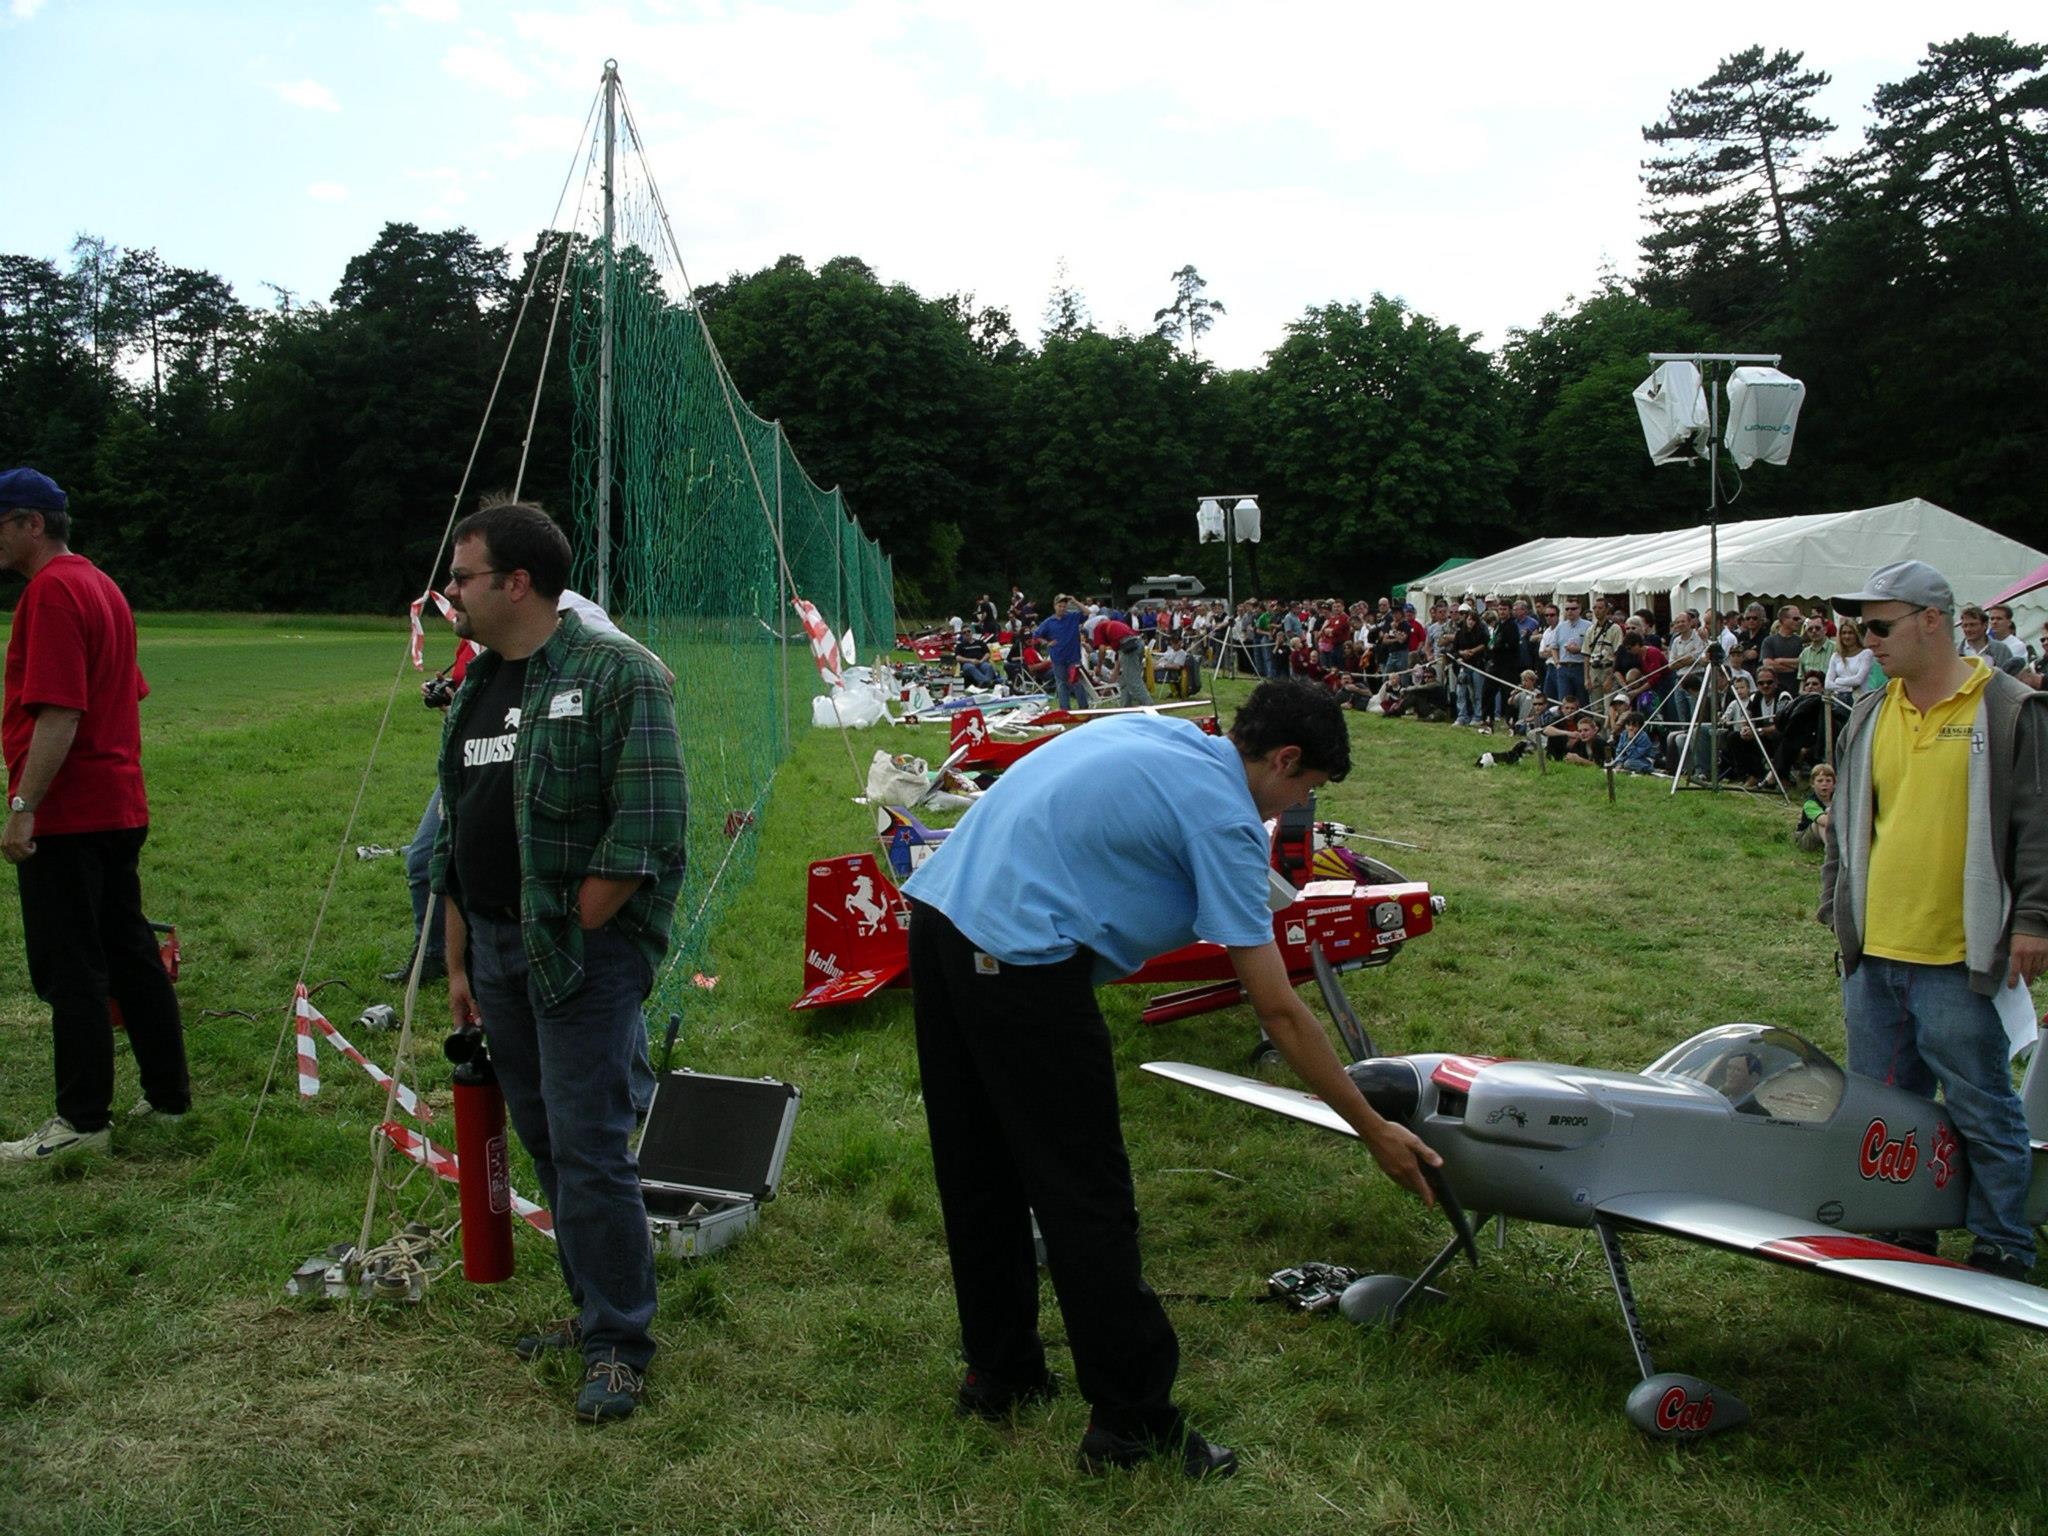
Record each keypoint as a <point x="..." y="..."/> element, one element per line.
<point x="485" y="1183"/>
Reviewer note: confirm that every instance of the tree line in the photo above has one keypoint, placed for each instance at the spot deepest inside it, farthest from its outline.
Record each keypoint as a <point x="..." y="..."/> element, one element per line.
<point x="303" y="455"/>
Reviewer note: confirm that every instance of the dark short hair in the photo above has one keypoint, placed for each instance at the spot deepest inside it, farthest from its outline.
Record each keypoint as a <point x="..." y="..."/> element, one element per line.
<point x="1294" y="712"/>
<point x="521" y="537"/>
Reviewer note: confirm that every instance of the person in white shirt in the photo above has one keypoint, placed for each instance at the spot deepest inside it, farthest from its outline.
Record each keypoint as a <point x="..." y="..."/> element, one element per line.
<point x="1849" y="668"/>
<point x="1686" y="656"/>
<point x="1572" y="634"/>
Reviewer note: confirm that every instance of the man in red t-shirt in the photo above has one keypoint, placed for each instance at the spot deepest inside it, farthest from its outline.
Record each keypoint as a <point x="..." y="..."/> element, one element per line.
<point x="1107" y="634"/>
<point x="76" y="822"/>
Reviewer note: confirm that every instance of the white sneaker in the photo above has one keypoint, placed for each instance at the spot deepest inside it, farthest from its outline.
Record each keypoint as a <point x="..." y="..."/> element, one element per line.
<point x="144" y="1110"/>
<point x="58" y="1138"/>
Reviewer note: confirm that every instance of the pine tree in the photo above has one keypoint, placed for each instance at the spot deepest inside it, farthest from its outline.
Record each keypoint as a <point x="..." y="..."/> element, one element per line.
<point x="1189" y="316"/>
<point x="1967" y="134"/>
<point x="1730" y="191"/>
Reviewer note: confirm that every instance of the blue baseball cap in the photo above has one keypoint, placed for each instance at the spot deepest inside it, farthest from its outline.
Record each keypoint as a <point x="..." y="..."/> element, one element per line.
<point x="30" y="490"/>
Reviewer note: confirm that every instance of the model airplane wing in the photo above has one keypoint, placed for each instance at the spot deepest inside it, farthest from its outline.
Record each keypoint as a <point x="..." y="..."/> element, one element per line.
<point x="1810" y="1245"/>
<point x="849" y="988"/>
<point x="1291" y="1102"/>
<point x="1132" y="709"/>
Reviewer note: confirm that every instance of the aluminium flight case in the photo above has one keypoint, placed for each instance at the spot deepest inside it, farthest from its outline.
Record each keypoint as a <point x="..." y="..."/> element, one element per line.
<point x="710" y="1155"/>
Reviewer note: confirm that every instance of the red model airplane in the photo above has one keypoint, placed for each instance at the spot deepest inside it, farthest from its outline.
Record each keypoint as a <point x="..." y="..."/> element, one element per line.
<point x="857" y="925"/>
<point x="989" y="753"/>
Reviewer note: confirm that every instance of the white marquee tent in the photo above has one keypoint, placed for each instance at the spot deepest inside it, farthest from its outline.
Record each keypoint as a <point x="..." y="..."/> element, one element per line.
<point x="1770" y="558"/>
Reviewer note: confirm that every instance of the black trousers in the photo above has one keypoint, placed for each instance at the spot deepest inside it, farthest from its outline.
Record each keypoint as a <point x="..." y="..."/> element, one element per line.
<point x="1020" y="1098"/>
<point x="87" y="941"/>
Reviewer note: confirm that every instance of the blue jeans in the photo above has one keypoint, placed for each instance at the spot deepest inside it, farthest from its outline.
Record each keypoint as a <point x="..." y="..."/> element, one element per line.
<point x="419" y="859"/>
<point x="979" y="673"/>
<point x="1469" y="684"/>
<point x="1066" y="695"/>
<point x="1571" y="681"/>
<point x="1914" y="1026"/>
<point x="568" y="1072"/>
<point x="1130" y="674"/>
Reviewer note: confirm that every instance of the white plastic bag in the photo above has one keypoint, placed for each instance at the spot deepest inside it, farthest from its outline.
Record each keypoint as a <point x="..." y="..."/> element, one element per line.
<point x="860" y="707"/>
<point x="897" y="779"/>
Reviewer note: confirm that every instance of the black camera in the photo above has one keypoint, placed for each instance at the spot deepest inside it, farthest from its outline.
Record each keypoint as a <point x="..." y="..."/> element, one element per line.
<point x="438" y="691"/>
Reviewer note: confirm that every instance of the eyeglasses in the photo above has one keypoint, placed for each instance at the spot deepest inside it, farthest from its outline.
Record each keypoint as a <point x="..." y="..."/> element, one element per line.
<point x="464" y="578"/>
<point x="1883" y="627"/>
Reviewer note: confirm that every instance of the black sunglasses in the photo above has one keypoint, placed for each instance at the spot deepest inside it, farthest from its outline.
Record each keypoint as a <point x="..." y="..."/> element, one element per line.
<point x="1883" y="627"/>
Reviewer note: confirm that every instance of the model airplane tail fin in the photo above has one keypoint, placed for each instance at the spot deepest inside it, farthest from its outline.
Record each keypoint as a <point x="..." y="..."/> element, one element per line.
<point x="854" y="920"/>
<point x="970" y="729"/>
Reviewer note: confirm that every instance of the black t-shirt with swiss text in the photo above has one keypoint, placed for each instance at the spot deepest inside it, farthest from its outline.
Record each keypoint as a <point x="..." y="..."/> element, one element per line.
<point x="486" y="832"/>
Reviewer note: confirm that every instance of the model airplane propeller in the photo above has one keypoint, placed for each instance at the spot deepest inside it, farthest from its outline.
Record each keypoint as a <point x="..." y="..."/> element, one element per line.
<point x="1745" y="1137"/>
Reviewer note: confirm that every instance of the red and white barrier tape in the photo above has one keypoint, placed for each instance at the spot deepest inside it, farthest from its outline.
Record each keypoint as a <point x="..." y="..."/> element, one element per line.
<point x="309" y="1054"/>
<point x="419" y="635"/>
<point x="311" y="1018"/>
<point x="824" y="649"/>
<point x="445" y="1164"/>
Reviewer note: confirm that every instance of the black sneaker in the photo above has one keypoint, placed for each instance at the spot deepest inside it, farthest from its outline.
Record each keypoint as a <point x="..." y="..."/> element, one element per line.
<point x="1102" y="1450"/>
<point x="433" y="970"/>
<point x="549" y="1338"/>
<point x="612" y="1389"/>
<point x="1994" y="1260"/>
<point x="983" y="1396"/>
<point x="1912" y="1242"/>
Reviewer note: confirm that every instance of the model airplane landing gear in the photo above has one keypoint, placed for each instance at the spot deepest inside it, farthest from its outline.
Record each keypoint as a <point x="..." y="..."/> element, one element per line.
<point x="1665" y="1405"/>
<point x="1389" y="1298"/>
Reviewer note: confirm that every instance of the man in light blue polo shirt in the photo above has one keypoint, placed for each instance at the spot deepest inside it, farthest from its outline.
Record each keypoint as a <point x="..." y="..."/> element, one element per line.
<point x="1107" y="846"/>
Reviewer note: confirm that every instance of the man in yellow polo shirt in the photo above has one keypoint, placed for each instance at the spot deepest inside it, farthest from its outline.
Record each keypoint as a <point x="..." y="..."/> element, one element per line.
<point x="1936" y="884"/>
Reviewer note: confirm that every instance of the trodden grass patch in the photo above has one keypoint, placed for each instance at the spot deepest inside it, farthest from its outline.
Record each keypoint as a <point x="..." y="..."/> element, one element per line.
<point x="154" y="1378"/>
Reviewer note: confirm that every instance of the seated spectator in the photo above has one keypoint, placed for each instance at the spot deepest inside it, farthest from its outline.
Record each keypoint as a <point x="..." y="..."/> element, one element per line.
<point x="971" y="651"/>
<point x="1619" y="703"/>
<point x="1634" y="751"/>
<point x="1741" y="728"/>
<point x="1803" y="730"/>
<point x="1028" y="668"/>
<point x="1811" y="833"/>
<point x="1170" y="668"/>
<point x="1301" y="661"/>
<point x="1580" y="742"/>
<point x="1416" y="692"/>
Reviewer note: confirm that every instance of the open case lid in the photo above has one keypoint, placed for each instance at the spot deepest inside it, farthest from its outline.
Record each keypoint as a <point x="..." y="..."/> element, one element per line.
<point x="722" y="1136"/>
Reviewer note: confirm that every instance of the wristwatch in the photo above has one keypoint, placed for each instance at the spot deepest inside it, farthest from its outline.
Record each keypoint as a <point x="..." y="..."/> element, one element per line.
<point x="16" y="803"/>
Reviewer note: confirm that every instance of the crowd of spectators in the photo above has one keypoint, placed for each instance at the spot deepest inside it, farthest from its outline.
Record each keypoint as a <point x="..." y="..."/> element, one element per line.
<point x="1758" y="694"/>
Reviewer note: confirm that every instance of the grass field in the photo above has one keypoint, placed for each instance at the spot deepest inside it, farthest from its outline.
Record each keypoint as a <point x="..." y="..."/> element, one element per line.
<point x="154" y="1379"/>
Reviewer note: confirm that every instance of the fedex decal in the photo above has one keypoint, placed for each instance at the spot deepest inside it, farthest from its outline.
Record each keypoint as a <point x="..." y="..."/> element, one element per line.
<point x="1892" y="1159"/>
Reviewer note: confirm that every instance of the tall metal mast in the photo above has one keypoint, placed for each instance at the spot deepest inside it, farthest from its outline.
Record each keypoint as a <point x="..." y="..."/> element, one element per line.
<point x="604" y="356"/>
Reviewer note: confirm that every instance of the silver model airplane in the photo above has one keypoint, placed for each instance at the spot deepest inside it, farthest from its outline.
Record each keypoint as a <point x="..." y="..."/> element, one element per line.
<point x="1745" y="1137"/>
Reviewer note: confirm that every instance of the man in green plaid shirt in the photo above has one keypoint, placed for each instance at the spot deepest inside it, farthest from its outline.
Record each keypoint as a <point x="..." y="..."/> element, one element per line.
<point x="561" y="854"/>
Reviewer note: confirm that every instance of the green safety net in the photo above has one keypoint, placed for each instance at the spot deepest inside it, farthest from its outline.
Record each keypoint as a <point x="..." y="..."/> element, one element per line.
<point x="700" y="488"/>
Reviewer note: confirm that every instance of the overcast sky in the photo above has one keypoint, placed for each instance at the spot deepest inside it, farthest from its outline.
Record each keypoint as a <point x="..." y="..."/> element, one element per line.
<point x="1478" y="161"/>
